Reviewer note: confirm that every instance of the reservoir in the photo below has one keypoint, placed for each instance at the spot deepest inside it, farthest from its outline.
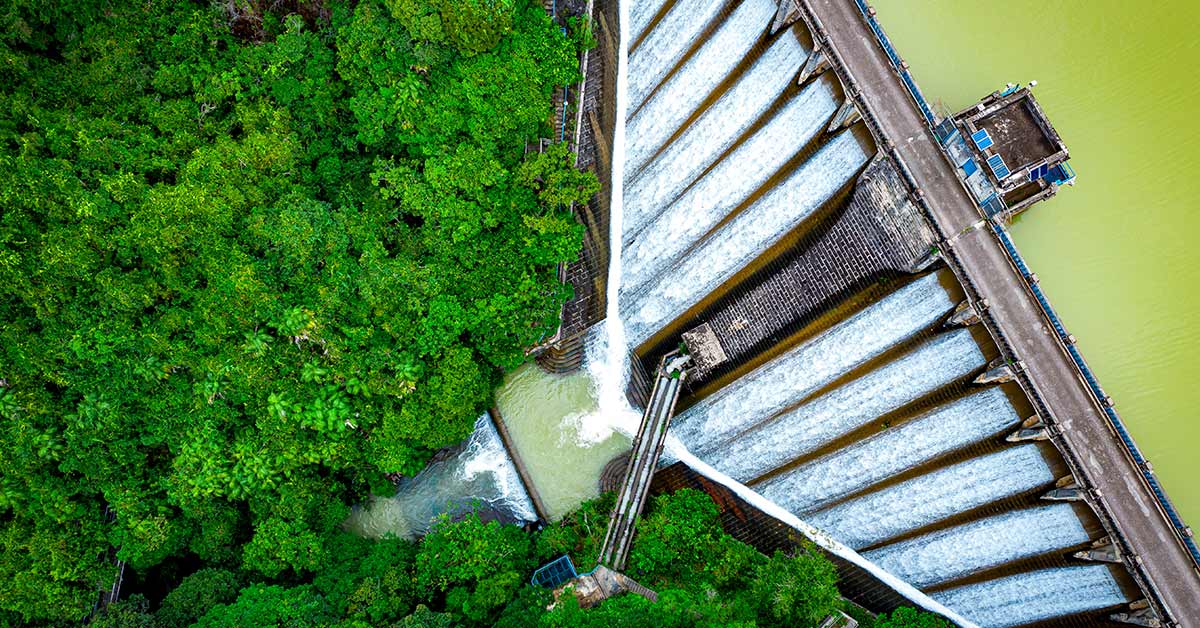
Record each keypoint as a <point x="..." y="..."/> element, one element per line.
<point x="1116" y="254"/>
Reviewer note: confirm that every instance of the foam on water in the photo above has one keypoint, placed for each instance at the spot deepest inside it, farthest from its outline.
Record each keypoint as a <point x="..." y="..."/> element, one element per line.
<point x="640" y="16"/>
<point x="482" y="473"/>
<point x="663" y="48"/>
<point x="744" y="237"/>
<point x="771" y="444"/>
<point x="713" y="132"/>
<point x="1033" y="596"/>
<point x="688" y="87"/>
<point x="946" y="428"/>
<point x="795" y="374"/>
<point x="921" y="501"/>
<point x="676" y="228"/>
<point x="959" y="551"/>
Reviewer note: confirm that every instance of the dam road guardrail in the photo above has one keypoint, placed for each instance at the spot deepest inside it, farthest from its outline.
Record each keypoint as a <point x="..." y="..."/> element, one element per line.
<point x="1157" y="548"/>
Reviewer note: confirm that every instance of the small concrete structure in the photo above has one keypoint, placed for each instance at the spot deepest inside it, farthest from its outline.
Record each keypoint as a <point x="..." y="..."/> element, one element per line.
<point x="1014" y="146"/>
<point x="704" y="347"/>
<point x="600" y="584"/>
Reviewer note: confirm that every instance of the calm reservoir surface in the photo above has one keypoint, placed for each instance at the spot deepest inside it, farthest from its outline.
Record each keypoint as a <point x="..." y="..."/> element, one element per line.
<point x="1117" y="254"/>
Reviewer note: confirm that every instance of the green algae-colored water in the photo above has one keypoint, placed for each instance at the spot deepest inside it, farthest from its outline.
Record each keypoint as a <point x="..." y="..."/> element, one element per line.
<point x="1119" y="253"/>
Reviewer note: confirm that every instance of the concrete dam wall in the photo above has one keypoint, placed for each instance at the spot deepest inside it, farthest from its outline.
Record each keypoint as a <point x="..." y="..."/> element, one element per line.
<point x="853" y="395"/>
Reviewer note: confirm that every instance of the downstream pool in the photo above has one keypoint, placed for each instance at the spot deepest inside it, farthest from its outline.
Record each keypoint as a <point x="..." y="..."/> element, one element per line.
<point x="1117" y="253"/>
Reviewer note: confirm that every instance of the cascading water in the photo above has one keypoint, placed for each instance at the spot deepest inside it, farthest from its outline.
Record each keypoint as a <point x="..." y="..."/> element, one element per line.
<point x="677" y="227"/>
<point x="740" y="240"/>
<point x="797" y="373"/>
<point x="1029" y="597"/>
<point x="481" y="476"/>
<point x="921" y="501"/>
<point x="712" y="133"/>
<point x="771" y="444"/>
<point x="946" y="428"/>
<point x="685" y="90"/>
<point x="664" y="47"/>
<point x="970" y="548"/>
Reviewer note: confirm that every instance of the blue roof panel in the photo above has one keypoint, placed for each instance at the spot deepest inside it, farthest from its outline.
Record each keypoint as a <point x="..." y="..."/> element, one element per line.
<point x="982" y="139"/>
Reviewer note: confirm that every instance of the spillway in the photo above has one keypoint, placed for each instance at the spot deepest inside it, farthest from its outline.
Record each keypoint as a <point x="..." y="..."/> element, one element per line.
<point x="797" y="373"/>
<point x="702" y="141"/>
<point x="677" y="227"/>
<point x="804" y="429"/>
<point x="740" y="240"/>
<point x="944" y="429"/>
<point x="927" y="499"/>
<point x="665" y="46"/>
<point x="1034" y="596"/>
<point x="970" y="548"/>
<point x="684" y="91"/>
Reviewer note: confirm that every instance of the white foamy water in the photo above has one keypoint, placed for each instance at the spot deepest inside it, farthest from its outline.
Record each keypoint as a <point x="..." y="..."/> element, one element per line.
<point x="965" y="421"/>
<point x="921" y="501"/>
<point x="789" y="378"/>
<point x="664" y="47"/>
<point x="714" y="131"/>
<point x="771" y="444"/>
<point x="1029" y="597"/>
<point x="683" y="92"/>
<point x="675" y="229"/>
<point x="745" y="236"/>
<point x="640" y="16"/>
<point x="481" y="474"/>
<point x="959" y="551"/>
<point x="676" y="450"/>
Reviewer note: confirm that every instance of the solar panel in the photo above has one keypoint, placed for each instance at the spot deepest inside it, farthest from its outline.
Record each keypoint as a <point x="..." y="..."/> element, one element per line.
<point x="1039" y="172"/>
<point x="996" y="163"/>
<point x="982" y="139"/>
<point x="969" y="167"/>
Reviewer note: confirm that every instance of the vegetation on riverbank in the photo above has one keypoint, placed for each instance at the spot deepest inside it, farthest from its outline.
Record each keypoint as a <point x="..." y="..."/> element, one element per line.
<point x="253" y="256"/>
<point x="469" y="573"/>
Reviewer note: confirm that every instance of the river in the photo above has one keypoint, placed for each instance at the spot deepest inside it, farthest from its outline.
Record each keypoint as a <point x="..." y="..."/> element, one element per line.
<point x="1117" y="253"/>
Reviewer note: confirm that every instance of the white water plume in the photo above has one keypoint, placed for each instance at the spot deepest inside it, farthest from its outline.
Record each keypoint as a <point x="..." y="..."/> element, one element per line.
<point x="1029" y="597"/>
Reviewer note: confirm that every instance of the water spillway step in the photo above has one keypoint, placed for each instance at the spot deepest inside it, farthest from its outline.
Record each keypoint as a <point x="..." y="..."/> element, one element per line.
<point x="927" y="499"/>
<point x="797" y="373"/>
<point x="775" y="441"/>
<point x="681" y="94"/>
<point x="665" y="45"/>
<point x="660" y="178"/>
<point x="740" y="240"/>
<point x="672" y="229"/>
<point x="973" y="547"/>
<point x="1029" y="597"/>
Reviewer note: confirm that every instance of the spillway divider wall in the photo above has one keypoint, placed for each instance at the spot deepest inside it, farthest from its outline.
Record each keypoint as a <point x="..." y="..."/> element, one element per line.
<point x="1132" y="562"/>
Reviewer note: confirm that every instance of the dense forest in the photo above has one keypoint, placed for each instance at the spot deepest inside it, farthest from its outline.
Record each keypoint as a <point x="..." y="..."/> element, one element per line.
<point x="470" y="573"/>
<point x="253" y="256"/>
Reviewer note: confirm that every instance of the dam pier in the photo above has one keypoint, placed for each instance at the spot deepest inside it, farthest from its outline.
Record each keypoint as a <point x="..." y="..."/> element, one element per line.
<point x="887" y="368"/>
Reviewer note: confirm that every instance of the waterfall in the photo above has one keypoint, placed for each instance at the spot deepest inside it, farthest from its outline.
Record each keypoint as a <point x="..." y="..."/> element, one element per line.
<point x="715" y="130"/>
<point x="608" y="353"/>
<point x="921" y="501"/>
<point x="748" y="234"/>
<point x="673" y="229"/>
<point x="1034" y="596"/>
<point x="973" y="547"/>
<point x="944" y="429"/>
<point x="663" y="48"/>
<point x="685" y="90"/>
<point x="480" y="473"/>
<point x="772" y="444"/>
<point x="789" y="378"/>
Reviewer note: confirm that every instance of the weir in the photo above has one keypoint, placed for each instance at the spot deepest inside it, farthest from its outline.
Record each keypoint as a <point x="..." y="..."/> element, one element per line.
<point x="889" y="369"/>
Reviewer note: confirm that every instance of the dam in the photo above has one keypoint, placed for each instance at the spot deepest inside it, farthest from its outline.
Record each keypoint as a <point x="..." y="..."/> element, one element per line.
<point x="891" y="372"/>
